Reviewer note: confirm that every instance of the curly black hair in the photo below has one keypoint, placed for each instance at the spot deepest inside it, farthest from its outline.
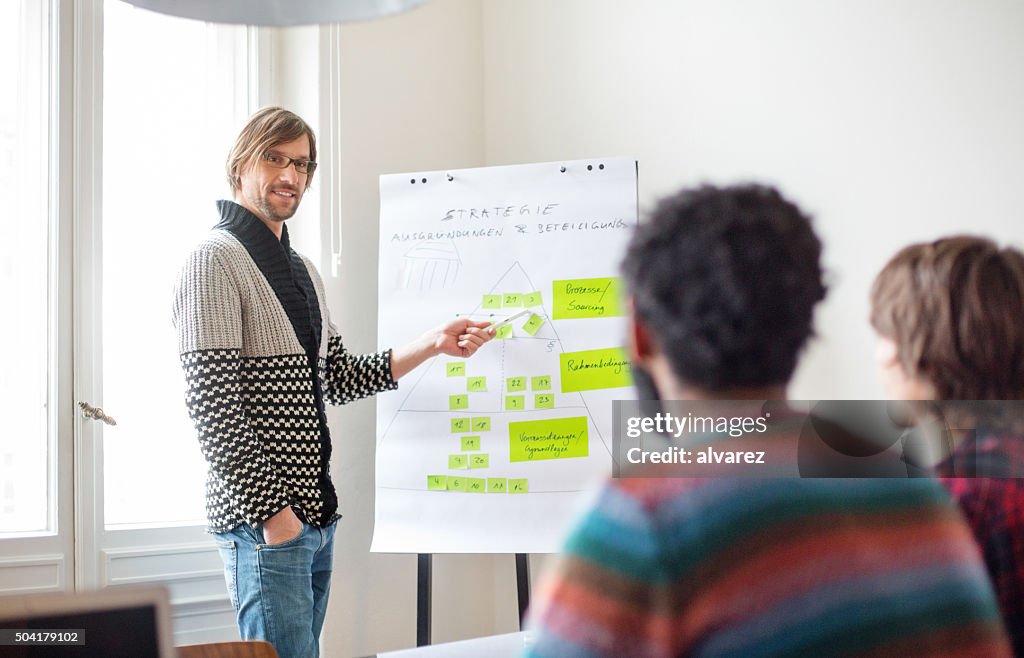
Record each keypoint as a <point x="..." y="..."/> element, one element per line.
<point x="726" y="280"/>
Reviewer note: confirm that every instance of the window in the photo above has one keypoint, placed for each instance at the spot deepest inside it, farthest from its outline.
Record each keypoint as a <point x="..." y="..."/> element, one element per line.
<point x="25" y="442"/>
<point x="174" y="96"/>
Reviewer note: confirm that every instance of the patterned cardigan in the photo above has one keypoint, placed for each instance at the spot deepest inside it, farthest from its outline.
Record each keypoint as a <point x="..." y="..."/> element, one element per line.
<point x="261" y="357"/>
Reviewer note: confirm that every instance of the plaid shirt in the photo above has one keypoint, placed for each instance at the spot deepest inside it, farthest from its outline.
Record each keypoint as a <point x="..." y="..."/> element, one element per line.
<point x="994" y="507"/>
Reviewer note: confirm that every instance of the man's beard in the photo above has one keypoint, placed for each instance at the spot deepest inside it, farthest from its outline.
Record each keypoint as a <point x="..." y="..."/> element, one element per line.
<point x="271" y="213"/>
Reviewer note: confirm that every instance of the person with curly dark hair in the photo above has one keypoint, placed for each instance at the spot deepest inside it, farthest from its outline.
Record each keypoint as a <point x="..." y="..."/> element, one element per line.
<point x="714" y="274"/>
<point x="723" y="283"/>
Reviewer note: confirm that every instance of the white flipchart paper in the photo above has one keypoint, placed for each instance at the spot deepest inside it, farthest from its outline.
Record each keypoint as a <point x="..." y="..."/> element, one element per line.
<point x="446" y="240"/>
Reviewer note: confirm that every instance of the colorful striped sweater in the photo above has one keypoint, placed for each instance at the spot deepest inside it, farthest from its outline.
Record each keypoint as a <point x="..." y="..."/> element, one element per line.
<point x="771" y="567"/>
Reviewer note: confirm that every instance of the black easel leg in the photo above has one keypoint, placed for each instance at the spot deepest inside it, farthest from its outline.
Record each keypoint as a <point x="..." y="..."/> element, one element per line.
<point x="523" y="584"/>
<point x="423" y="584"/>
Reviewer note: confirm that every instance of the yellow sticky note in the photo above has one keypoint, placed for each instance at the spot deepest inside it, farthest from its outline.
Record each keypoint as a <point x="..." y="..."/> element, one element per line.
<point x="512" y="299"/>
<point x="541" y="383"/>
<point x="476" y="384"/>
<point x="458" y="402"/>
<point x="476" y="485"/>
<point x="572" y="299"/>
<point x="456" y="483"/>
<point x="492" y="301"/>
<point x="544" y="401"/>
<point x="515" y="402"/>
<point x="519" y="486"/>
<point x="437" y="482"/>
<point x="460" y="425"/>
<point x="533" y="325"/>
<point x="557" y="438"/>
<point x="470" y="443"/>
<point x="504" y="331"/>
<point x="515" y="384"/>
<point x="481" y="423"/>
<point x="593" y="369"/>
<point x="458" y="462"/>
<point x="532" y="299"/>
<point x="479" y="461"/>
<point x="455" y="368"/>
<point x="495" y="485"/>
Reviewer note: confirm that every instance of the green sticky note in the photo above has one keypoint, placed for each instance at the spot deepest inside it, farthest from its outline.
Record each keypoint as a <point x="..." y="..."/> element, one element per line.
<point x="458" y="402"/>
<point x="458" y="462"/>
<point x="541" y="383"/>
<point x="479" y="461"/>
<point x="456" y="483"/>
<point x="557" y="438"/>
<point x="504" y="331"/>
<point x="455" y="368"/>
<point x="460" y="425"/>
<point x="593" y="369"/>
<point x="495" y="485"/>
<point x="492" y="301"/>
<point x="515" y="384"/>
<point x="476" y="384"/>
<point x="572" y="299"/>
<point x="470" y="443"/>
<point x="519" y="486"/>
<point x="543" y="401"/>
<point x="515" y="402"/>
<point x="437" y="482"/>
<point x="512" y="299"/>
<point x="476" y="485"/>
<point x="533" y="325"/>
<point x="532" y="299"/>
<point x="481" y="423"/>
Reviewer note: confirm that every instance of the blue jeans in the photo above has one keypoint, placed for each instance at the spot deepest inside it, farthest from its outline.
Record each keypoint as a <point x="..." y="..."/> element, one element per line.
<point x="279" y="591"/>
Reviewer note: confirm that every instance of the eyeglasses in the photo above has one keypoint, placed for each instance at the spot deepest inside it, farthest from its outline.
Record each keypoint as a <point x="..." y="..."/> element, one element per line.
<point x="282" y="161"/>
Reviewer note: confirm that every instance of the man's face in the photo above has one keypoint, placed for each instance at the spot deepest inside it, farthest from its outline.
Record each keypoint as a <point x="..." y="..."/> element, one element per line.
<point x="273" y="194"/>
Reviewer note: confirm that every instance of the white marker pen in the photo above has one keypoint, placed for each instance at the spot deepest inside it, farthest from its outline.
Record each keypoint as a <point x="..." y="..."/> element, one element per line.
<point x="515" y="316"/>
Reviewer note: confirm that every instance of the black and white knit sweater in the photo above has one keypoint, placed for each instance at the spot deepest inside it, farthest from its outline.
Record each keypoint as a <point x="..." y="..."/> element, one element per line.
<point x="261" y="357"/>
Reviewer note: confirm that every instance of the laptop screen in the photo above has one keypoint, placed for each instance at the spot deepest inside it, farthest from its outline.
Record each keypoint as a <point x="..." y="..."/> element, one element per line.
<point x="110" y="623"/>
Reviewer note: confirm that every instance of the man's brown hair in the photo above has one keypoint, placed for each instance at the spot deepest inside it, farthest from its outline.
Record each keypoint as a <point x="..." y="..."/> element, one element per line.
<point x="264" y="130"/>
<point x="955" y="310"/>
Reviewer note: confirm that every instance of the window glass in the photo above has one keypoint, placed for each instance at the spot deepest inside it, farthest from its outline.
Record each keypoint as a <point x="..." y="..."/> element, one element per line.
<point x="173" y="99"/>
<point x="25" y="442"/>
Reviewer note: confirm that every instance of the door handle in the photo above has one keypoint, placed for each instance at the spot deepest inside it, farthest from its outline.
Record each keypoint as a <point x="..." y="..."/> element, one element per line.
<point x="95" y="413"/>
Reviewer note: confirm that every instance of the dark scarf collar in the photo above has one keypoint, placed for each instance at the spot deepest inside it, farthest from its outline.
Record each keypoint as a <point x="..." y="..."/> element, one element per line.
<point x="283" y="268"/>
<point x="251" y="230"/>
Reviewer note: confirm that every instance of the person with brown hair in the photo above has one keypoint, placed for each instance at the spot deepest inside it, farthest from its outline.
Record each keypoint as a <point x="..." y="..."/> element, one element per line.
<point x="950" y="320"/>
<point x="261" y="359"/>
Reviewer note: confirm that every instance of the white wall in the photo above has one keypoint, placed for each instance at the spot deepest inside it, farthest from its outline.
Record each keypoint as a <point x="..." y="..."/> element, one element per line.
<point x="889" y="120"/>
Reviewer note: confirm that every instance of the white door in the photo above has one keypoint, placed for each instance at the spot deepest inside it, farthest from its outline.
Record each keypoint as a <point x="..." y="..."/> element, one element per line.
<point x="145" y="109"/>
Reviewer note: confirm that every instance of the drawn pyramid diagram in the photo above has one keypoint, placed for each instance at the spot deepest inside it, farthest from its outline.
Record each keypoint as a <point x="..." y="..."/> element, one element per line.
<point x="509" y="380"/>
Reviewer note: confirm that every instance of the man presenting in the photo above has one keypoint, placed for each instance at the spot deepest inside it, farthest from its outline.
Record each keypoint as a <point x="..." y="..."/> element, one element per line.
<point x="261" y="359"/>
